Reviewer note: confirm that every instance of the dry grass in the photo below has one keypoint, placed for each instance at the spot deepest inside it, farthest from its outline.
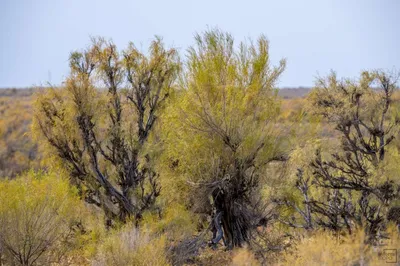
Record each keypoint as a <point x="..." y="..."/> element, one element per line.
<point x="129" y="246"/>
<point x="324" y="248"/>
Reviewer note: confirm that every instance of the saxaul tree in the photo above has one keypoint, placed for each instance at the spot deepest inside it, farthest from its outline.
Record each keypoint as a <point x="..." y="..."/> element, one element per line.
<point x="357" y="189"/>
<point x="363" y="115"/>
<point x="223" y="132"/>
<point x="100" y="120"/>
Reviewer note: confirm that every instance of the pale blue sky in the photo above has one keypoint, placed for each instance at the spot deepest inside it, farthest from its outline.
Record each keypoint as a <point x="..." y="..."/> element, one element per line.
<point x="315" y="36"/>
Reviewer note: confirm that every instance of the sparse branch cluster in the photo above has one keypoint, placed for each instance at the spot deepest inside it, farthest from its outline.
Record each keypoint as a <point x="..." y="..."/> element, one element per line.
<point x="101" y="140"/>
<point x="357" y="193"/>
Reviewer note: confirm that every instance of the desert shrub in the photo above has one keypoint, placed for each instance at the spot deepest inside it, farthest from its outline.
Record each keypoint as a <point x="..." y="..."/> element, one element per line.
<point x="130" y="246"/>
<point x="37" y="214"/>
<point x="222" y="133"/>
<point x="101" y="135"/>
<point x="354" y="184"/>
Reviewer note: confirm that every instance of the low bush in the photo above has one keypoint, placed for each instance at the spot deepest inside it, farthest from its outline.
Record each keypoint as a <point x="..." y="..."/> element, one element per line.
<point x="37" y="217"/>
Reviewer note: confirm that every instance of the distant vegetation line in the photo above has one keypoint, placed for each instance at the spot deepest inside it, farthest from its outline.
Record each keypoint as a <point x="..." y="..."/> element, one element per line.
<point x="285" y="92"/>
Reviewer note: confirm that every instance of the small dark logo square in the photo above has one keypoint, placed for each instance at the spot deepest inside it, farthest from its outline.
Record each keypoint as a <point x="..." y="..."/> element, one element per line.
<point x="389" y="255"/>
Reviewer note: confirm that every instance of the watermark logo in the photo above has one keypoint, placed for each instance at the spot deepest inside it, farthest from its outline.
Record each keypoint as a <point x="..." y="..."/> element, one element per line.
<point x="389" y="255"/>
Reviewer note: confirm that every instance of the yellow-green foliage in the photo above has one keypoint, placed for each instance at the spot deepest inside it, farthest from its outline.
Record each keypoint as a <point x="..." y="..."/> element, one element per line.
<point x="176" y="222"/>
<point x="130" y="246"/>
<point x="325" y="248"/>
<point x="225" y="109"/>
<point x="60" y="102"/>
<point x="37" y="212"/>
